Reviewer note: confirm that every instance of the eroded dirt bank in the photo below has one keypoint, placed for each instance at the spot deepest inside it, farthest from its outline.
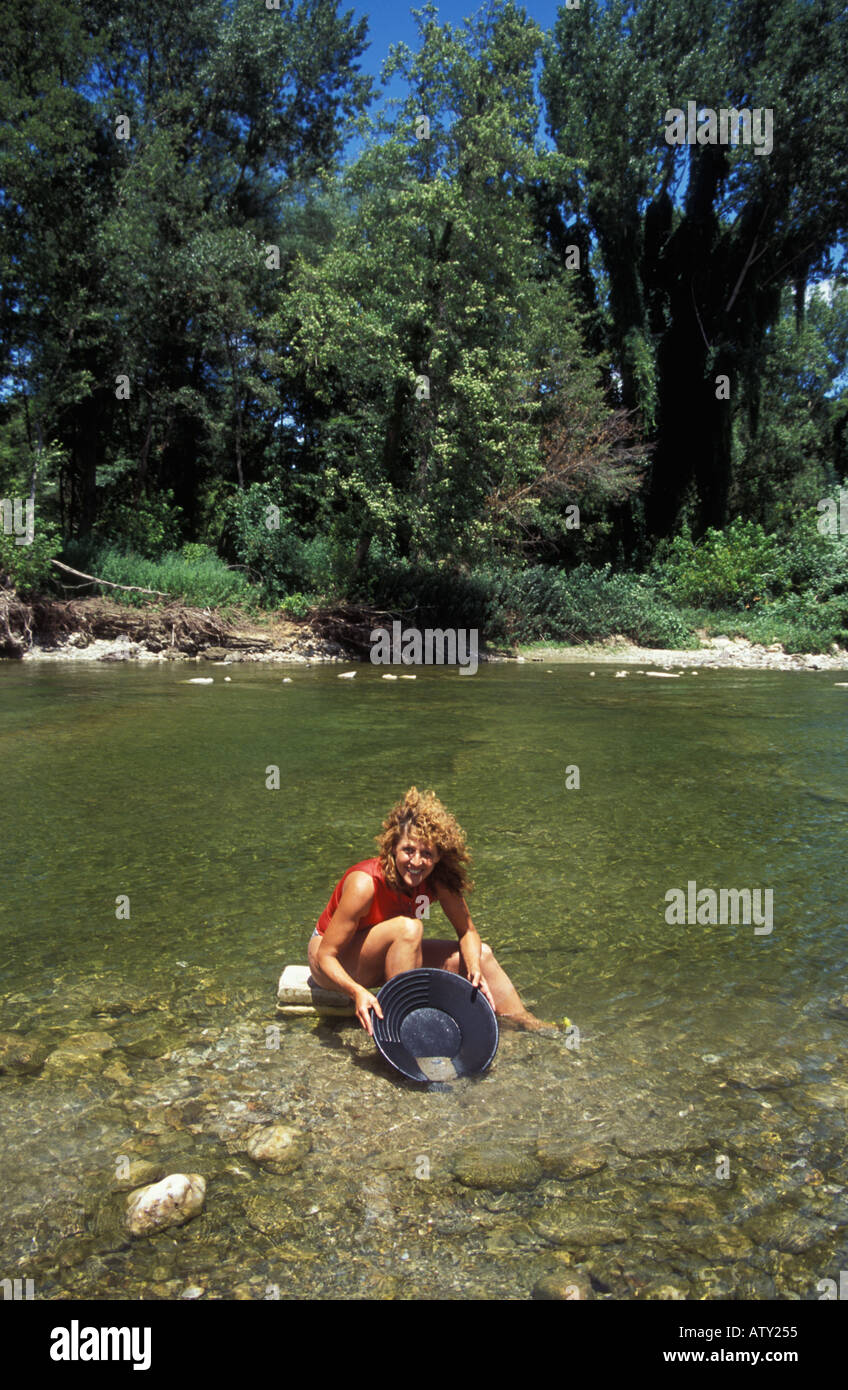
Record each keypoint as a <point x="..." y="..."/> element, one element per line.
<point x="99" y="629"/>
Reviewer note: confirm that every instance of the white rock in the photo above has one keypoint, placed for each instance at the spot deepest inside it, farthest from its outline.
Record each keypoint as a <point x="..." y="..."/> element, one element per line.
<point x="665" y="675"/>
<point x="347" y="675"/>
<point x="389" y="678"/>
<point x="409" y="678"/>
<point x="199" y="680"/>
<point x="171" y="1202"/>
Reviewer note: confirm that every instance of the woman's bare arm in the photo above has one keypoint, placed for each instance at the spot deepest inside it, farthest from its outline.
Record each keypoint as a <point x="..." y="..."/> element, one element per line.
<point x="357" y="897"/>
<point x="455" y="909"/>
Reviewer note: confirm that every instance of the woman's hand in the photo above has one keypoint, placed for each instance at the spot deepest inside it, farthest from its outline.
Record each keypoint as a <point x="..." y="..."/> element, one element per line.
<point x="478" y="980"/>
<point x="365" y="1002"/>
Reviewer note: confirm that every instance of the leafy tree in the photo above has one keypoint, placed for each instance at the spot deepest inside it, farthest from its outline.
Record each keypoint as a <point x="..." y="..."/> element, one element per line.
<point x="144" y="257"/>
<point x="792" y="451"/>
<point x="434" y="333"/>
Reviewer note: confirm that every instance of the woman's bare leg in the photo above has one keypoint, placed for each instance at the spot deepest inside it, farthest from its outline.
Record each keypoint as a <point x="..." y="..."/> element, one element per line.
<point x="375" y="954"/>
<point x="444" y="955"/>
<point x="389" y="948"/>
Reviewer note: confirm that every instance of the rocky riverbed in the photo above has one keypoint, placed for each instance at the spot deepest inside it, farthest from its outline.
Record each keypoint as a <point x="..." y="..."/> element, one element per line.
<point x="645" y="1167"/>
<point x="300" y="646"/>
<point x="714" y="653"/>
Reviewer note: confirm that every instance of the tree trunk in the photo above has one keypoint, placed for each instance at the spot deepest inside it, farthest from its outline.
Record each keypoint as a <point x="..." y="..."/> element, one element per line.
<point x="88" y="426"/>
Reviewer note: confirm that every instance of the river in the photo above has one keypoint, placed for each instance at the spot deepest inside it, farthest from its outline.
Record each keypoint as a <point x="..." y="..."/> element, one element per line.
<point x="683" y="1138"/>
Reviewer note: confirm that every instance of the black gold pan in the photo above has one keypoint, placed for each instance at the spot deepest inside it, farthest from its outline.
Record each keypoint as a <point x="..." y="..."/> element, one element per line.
<point x="436" y="1026"/>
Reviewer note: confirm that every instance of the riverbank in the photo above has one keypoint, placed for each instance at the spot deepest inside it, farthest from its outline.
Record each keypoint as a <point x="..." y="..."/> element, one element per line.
<point x="100" y="629"/>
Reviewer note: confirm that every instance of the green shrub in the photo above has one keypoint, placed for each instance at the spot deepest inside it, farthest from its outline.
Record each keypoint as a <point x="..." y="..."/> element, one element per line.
<point x="589" y="605"/>
<point x="790" y="588"/>
<point x="149" y="527"/>
<point x="801" y="622"/>
<point x="734" y="567"/>
<point x="195" y="553"/>
<point x="815" y="564"/>
<point x="265" y="538"/>
<point x="27" y="568"/>
<point x="297" y="605"/>
<point x="541" y="603"/>
<point x="433" y="595"/>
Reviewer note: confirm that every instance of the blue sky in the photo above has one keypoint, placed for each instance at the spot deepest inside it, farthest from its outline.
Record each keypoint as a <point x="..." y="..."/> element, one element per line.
<point x="390" y="23"/>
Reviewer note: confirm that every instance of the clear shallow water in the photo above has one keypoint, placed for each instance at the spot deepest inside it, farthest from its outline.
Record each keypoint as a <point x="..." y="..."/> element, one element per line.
<point x="696" y="1041"/>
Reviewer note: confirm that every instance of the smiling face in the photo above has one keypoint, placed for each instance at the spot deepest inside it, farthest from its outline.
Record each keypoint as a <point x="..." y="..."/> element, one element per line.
<point x="414" y="859"/>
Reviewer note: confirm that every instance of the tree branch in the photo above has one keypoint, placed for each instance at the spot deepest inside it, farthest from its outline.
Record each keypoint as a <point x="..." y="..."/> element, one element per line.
<point x="133" y="588"/>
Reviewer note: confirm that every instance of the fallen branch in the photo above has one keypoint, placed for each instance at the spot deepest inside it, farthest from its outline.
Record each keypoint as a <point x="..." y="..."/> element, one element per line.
<point x="130" y="588"/>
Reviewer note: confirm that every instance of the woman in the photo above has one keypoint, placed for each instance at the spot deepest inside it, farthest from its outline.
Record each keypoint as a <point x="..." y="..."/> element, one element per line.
<point x="371" y="929"/>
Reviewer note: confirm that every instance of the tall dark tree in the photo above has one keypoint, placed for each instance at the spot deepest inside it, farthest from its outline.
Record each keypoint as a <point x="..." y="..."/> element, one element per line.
<point x="692" y="245"/>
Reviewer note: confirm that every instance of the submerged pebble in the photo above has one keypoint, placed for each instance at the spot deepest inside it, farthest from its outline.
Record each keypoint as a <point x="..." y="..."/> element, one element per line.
<point x="563" y="1288"/>
<point x="495" y="1168"/>
<point x="279" y="1148"/>
<point x="567" y="1163"/>
<point x="564" y="1229"/>
<point x="21" y="1055"/>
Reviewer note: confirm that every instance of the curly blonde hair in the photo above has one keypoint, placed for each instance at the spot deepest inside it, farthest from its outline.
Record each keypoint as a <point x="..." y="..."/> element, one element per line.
<point x="423" y="813"/>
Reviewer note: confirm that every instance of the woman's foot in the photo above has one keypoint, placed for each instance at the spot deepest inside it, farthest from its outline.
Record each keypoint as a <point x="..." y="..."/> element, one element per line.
<point x="527" y="1022"/>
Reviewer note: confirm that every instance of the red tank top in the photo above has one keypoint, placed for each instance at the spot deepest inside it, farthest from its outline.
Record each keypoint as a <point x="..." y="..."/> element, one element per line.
<point x="387" y="901"/>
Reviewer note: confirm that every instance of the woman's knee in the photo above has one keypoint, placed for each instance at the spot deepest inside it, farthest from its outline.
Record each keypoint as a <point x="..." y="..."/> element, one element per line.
<point x="486" y="953"/>
<point x="410" y="931"/>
